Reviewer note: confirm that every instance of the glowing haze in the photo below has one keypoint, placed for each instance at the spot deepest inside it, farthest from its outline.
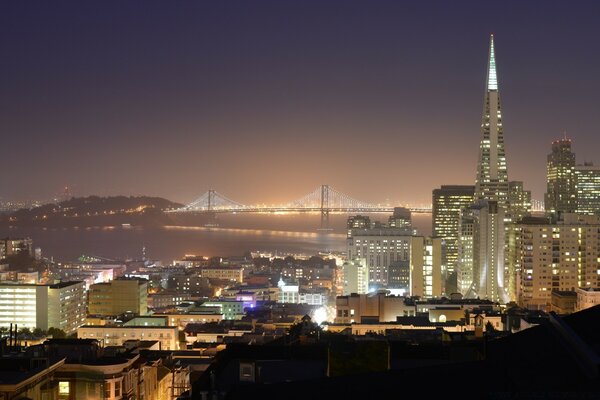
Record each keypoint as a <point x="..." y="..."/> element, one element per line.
<point x="264" y="101"/>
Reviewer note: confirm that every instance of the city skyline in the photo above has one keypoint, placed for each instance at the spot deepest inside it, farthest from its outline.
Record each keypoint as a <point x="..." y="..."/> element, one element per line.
<point x="264" y="102"/>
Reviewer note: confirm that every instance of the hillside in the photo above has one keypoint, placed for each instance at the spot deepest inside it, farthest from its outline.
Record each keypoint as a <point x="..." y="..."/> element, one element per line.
<point x="94" y="211"/>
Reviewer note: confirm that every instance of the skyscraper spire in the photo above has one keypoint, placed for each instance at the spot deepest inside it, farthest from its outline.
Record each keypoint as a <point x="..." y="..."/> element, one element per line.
<point x="491" y="193"/>
<point x="492" y="175"/>
<point x="492" y="78"/>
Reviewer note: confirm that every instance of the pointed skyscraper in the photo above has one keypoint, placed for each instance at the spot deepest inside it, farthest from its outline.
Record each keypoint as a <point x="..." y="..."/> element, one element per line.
<point x="482" y="226"/>
<point x="492" y="176"/>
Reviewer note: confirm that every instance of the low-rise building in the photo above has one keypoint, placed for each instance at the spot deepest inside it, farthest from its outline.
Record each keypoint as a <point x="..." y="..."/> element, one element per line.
<point x="563" y="302"/>
<point x="377" y="307"/>
<point x="233" y="273"/>
<point x="114" y="335"/>
<point x="587" y="297"/>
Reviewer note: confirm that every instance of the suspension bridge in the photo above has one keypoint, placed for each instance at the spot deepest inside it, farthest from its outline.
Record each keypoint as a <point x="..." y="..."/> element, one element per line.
<point x="324" y="200"/>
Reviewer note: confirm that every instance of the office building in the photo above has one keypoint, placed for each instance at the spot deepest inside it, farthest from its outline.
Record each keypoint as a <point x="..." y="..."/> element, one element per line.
<point x="401" y="218"/>
<point x="492" y="175"/>
<point x="358" y="222"/>
<point x="118" y="297"/>
<point x="561" y="192"/>
<point x="519" y="201"/>
<point x="61" y="306"/>
<point x="588" y="188"/>
<point x="379" y="247"/>
<point x="448" y="202"/>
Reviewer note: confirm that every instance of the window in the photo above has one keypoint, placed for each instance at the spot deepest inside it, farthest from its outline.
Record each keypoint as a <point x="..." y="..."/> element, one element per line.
<point x="63" y="388"/>
<point x="107" y="391"/>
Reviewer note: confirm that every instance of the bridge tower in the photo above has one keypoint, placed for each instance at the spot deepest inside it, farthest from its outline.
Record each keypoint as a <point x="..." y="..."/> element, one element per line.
<point x="210" y="202"/>
<point x="325" y="208"/>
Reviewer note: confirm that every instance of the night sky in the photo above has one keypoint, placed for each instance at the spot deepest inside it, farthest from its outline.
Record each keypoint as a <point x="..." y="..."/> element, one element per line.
<point x="265" y="100"/>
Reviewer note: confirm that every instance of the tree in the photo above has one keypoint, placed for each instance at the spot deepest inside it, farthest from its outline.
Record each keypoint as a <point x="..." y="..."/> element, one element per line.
<point x="306" y="327"/>
<point x="24" y="331"/>
<point x="56" y="333"/>
<point x="39" y="332"/>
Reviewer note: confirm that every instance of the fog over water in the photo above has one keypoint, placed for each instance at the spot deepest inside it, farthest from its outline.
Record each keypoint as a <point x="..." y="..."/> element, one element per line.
<point x="236" y="234"/>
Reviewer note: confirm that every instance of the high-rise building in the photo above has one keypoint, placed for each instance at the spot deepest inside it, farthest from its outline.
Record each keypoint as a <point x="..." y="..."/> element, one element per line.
<point x="481" y="249"/>
<point x="519" y="201"/>
<point x="118" y="297"/>
<point x="559" y="256"/>
<point x="358" y="222"/>
<point x="588" y="188"/>
<point x="466" y="253"/>
<point x="492" y="176"/>
<point x="61" y="305"/>
<point x="379" y="247"/>
<point x="384" y="247"/>
<point x="561" y="192"/>
<point x="448" y="202"/>
<point x="426" y="266"/>
<point x="401" y="218"/>
<point x="492" y="212"/>
<point x="356" y="276"/>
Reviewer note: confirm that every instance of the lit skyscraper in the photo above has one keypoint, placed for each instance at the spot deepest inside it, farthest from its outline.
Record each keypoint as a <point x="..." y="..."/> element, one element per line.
<point x="588" y="188"/>
<point x="492" y="212"/>
<point x="448" y="203"/>
<point x="561" y="192"/>
<point x="492" y="176"/>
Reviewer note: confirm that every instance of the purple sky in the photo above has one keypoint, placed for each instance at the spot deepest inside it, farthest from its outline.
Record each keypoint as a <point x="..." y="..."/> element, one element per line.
<point x="265" y="100"/>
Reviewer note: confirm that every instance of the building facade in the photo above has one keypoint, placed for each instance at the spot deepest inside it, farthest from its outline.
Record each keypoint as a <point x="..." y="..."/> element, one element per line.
<point x="588" y="188"/>
<point x="560" y="256"/>
<point x="561" y="190"/>
<point x="355" y="275"/>
<point x="379" y="247"/>
<point x="482" y="245"/>
<point x="448" y="202"/>
<point x="59" y="306"/>
<point x="118" y="297"/>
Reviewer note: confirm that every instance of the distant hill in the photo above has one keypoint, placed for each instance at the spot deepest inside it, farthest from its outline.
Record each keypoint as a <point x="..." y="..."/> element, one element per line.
<point x="94" y="211"/>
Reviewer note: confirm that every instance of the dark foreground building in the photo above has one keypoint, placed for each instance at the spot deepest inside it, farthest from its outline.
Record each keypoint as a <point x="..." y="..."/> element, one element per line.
<point x="560" y="358"/>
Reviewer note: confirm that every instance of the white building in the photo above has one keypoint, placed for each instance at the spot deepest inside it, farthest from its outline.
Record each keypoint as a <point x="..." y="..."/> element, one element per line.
<point x="481" y="245"/>
<point x="356" y="276"/>
<point x="30" y="306"/>
<point x="379" y="247"/>
<point x="113" y="335"/>
<point x="288" y="293"/>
